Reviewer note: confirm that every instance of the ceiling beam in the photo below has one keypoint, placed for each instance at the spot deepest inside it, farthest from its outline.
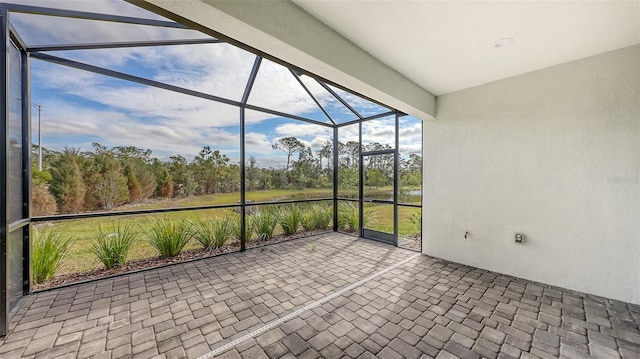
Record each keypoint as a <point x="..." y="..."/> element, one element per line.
<point x="283" y="30"/>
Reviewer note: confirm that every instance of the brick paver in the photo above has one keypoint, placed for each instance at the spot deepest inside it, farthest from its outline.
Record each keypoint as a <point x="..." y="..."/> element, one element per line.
<point x="425" y="308"/>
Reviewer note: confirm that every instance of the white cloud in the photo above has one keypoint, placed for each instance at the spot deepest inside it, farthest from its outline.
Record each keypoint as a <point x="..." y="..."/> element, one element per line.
<point x="113" y="7"/>
<point x="301" y="130"/>
<point x="349" y="133"/>
<point x="319" y="141"/>
<point x="116" y="129"/>
<point x="276" y="88"/>
<point x="37" y="29"/>
<point x="86" y="105"/>
<point x="413" y="148"/>
<point x="362" y="106"/>
<point x="336" y="109"/>
<point x="257" y="143"/>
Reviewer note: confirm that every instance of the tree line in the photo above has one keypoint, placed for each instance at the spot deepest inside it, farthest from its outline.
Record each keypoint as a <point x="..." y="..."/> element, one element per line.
<point x="74" y="181"/>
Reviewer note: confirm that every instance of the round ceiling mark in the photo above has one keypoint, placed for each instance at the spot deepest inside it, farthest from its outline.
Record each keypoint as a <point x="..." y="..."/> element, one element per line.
<point x="503" y="42"/>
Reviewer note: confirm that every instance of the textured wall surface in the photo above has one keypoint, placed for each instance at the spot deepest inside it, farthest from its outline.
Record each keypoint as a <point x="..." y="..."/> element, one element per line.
<point x="554" y="154"/>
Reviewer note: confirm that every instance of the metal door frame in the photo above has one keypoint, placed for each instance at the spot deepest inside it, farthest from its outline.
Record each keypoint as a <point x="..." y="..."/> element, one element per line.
<point x="9" y="37"/>
<point x="389" y="238"/>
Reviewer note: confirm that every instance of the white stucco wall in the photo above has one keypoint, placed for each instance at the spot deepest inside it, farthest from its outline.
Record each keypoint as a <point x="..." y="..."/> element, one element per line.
<point x="554" y="154"/>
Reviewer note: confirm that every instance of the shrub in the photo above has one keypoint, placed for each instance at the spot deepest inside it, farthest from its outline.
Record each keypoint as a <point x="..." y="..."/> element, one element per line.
<point x="50" y="250"/>
<point x="67" y="183"/>
<point x="112" y="246"/>
<point x="416" y="220"/>
<point x="42" y="202"/>
<point x="289" y="219"/>
<point x="213" y="233"/>
<point x="316" y="217"/>
<point x="169" y="236"/>
<point x="264" y="223"/>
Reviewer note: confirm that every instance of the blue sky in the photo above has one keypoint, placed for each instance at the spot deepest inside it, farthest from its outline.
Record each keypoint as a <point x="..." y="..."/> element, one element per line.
<point x="80" y="107"/>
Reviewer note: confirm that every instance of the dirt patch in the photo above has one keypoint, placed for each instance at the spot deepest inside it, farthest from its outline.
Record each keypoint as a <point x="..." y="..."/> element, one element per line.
<point x="411" y="241"/>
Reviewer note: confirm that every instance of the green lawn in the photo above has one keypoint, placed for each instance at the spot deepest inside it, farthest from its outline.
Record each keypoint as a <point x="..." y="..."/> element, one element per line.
<point x="81" y="259"/>
<point x="383" y="219"/>
<point x="232" y="198"/>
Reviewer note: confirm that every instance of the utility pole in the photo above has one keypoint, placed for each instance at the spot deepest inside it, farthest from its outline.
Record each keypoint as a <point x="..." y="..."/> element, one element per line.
<point x="39" y="108"/>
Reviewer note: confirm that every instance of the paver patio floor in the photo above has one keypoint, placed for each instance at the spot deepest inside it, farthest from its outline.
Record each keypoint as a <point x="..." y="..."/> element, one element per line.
<point x="422" y="307"/>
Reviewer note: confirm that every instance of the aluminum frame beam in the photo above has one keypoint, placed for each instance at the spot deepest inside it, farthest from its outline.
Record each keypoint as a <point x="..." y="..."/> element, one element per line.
<point x="312" y="96"/>
<point x="4" y="203"/>
<point x="161" y="85"/>
<point x="84" y="15"/>
<point x="118" y="45"/>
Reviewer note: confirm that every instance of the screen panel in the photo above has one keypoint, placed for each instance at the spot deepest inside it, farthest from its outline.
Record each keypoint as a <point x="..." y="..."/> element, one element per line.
<point x="410" y="227"/>
<point x="286" y="159"/>
<point x="14" y="267"/>
<point x="14" y="175"/>
<point x="83" y="233"/>
<point x="35" y="30"/>
<point x="217" y="69"/>
<point x="349" y="216"/>
<point x="337" y="110"/>
<point x="410" y="166"/>
<point x="348" y="161"/>
<point x="276" y="88"/>
<point x="378" y="222"/>
<point x="363" y="106"/>
<point x="379" y="134"/>
<point x="114" y="145"/>
<point x="378" y="181"/>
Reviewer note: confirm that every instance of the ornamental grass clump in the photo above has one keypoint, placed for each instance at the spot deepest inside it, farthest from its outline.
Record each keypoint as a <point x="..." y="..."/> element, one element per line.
<point x="325" y="215"/>
<point x="213" y="233"/>
<point x="169" y="236"/>
<point x="348" y="216"/>
<point x="111" y="245"/>
<point x="50" y="250"/>
<point x="264" y="223"/>
<point x="237" y="227"/>
<point x="289" y="219"/>
<point x="316" y="217"/>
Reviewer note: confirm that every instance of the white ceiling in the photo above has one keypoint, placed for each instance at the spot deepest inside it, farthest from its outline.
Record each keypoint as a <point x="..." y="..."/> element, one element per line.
<point x="448" y="46"/>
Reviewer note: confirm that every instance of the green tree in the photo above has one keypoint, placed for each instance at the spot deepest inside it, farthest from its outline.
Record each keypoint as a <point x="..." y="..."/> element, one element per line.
<point x="253" y="175"/>
<point x="211" y="169"/>
<point x="164" y="181"/>
<point x="67" y="184"/>
<point x="138" y="171"/>
<point x="185" y="184"/>
<point x="411" y="171"/>
<point x="375" y="178"/>
<point x="290" y="146"/>
<point x="105" y="179"/>
<point x="326" y="151"/>
<point x="305" y="170"/>
<point x="40" y="177"/>
<point x="349" y="154"/>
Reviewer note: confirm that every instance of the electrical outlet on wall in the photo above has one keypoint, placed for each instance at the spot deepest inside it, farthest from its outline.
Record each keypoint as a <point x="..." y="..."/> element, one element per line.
<point x="519" y="238"/>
